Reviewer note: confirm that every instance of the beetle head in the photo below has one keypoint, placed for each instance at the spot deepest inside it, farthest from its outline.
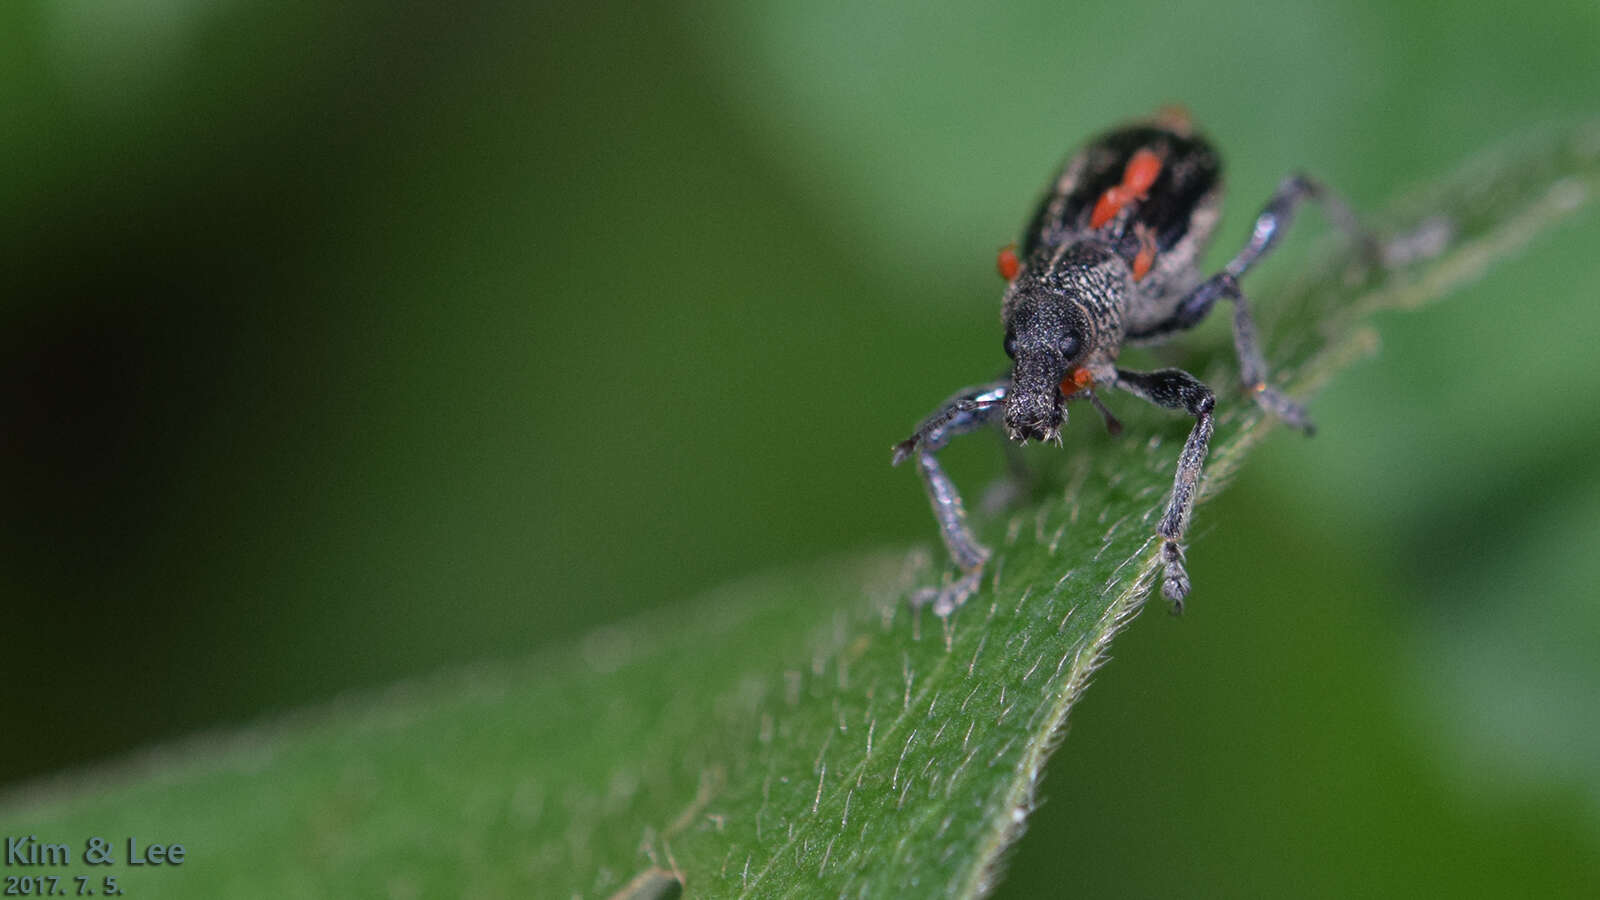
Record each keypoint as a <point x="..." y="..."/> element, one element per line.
<point x="1047" y="333"/>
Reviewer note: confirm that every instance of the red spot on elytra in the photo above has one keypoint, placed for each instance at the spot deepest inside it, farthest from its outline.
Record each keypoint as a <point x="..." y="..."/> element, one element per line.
<point x="1109" y="204"/>
<point x="1137" y="177"/>
<point x="1007" y="262"/>
<point x="1147" y="253"/>
<point x="1142" y="171"/>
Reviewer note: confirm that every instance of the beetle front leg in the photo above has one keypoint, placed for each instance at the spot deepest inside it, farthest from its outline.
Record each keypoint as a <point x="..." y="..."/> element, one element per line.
<point x="1177" y="389"/>
<point x="967" y="411"/>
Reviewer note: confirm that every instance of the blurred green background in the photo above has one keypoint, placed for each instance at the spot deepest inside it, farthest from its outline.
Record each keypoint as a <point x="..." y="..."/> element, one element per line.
<point x="345" y="342"/>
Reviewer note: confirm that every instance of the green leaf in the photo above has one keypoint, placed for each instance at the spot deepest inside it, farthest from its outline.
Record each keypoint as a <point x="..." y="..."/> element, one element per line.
<point x="805" y="733"/>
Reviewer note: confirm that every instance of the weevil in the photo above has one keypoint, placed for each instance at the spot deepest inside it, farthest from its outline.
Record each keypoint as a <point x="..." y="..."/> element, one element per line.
<point x="1111" y="259"/>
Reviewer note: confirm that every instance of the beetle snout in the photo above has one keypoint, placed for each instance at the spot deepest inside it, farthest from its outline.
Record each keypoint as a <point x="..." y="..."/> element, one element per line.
<point x="1035" y="418"/>
<point x="1034" y="410"/>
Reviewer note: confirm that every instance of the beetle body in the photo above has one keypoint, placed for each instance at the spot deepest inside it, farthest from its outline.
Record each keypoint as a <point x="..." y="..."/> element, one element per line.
<point x="1110" y="257"/>
<point x="1107" y="257"/>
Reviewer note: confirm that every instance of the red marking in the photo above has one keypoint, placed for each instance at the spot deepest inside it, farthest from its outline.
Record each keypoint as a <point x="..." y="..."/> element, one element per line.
<point x="1147" y="253"/>
<point x="1076" y="380"/>
<point x="1007" y="263"/>
<point x="1141" y="172"/>
<point x="1107" y="207"/>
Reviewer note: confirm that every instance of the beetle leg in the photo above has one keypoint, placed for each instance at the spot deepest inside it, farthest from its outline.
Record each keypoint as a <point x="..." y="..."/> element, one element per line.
<point x="1177" y="389"/>
<point x="1277" y="215"/>
<point x="1273" y="220"/>
<point x="1252" y="365"/>
<point x="967" y="411"/>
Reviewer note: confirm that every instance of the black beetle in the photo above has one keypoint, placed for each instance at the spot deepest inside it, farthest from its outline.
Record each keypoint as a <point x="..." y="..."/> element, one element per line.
<point x="1111" y="259"/>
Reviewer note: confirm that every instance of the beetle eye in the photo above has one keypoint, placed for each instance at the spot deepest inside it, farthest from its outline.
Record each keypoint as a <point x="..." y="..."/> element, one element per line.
<point x="1011" y="344"/>
<point x="1069" y="346"/>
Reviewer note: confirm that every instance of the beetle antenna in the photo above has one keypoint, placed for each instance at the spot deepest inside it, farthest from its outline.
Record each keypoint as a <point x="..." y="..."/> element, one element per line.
<point x="1112" y="424"/>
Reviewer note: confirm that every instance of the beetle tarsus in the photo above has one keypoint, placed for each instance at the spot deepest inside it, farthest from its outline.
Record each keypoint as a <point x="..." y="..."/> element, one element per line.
<point x="1175" y="578"/>
<point x="947" y="599"/>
